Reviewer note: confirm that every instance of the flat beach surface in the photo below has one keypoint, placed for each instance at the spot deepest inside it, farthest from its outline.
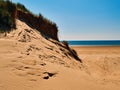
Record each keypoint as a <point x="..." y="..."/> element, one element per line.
<point x="102" y="62"/>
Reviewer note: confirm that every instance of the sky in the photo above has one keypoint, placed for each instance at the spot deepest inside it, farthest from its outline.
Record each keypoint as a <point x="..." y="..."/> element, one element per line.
<point x="80" y="19"/>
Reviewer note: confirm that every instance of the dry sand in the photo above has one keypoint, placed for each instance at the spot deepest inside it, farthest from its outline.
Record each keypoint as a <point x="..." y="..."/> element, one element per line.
<point x="102" y="64"/>
<point x="34" y="63"/>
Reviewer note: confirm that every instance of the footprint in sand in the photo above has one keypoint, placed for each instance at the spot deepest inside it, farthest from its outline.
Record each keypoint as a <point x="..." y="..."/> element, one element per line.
<point x="47" y="75"/>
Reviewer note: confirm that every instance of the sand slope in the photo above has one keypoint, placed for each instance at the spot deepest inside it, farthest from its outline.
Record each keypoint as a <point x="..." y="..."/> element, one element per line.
<point x="30" y="62"/>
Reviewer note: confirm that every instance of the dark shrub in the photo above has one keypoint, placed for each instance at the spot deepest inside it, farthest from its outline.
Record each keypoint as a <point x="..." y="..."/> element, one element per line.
<point x="7" y="15"/>
<point x="22" y="7"/>
<point x="65" y="43"/>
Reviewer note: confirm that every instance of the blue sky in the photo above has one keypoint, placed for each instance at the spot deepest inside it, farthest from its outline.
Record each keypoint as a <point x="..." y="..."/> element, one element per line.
<point x="80" y="19"/>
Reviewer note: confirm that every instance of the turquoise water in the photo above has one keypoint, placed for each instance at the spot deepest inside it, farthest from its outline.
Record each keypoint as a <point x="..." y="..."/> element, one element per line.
<point x="95" y="43"/>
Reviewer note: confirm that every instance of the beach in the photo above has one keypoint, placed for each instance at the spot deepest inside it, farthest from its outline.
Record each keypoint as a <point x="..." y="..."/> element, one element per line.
<point x="28" y="61"/>
<point x="102" y="62"/>
<point x="100" y="69"/>
<point x="79" y="50"/>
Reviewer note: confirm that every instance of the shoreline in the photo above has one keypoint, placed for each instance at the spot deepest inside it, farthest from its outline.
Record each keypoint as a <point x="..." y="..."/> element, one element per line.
<point x="76" y="46"/>
<point x="94" y="45"/>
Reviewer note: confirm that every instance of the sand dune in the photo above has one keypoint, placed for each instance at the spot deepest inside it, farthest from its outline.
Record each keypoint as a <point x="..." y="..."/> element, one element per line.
<point x="30" y="62"/>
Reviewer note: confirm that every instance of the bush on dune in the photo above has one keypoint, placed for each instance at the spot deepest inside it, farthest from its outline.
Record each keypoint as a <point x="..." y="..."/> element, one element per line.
<point x="7" y="15"/>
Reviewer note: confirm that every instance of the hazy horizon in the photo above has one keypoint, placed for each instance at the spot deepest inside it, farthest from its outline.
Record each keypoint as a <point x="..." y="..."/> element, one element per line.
<point x="80" y="19"/>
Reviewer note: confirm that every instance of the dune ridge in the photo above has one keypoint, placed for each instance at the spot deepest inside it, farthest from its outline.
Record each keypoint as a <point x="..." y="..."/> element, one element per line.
<point x="26" y="53"/>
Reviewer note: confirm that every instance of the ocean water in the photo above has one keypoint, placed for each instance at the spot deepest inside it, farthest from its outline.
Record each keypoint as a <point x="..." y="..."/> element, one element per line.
<point x="95" y="43"/>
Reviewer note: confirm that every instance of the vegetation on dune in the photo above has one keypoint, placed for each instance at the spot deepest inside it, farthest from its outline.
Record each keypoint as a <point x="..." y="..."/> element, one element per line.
<point x="10" y="11"/>
<point x="22" y="7"/>
<point x="72" y="53"/>
<point x="8" y="14"/>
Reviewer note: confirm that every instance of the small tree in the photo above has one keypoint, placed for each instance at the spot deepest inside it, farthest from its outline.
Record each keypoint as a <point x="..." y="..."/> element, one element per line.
<point x="65" y="43"/>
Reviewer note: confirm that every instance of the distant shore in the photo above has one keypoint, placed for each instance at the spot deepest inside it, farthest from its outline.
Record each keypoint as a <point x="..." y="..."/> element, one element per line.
<point x="95" y="43"/>
<point x="91" y="46"/>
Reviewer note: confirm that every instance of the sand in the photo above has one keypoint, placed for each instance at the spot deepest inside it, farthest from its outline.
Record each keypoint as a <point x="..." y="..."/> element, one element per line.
<point x="102" y="63"/>
<point x="34" y="63"/>
<point x="101" y="70"/>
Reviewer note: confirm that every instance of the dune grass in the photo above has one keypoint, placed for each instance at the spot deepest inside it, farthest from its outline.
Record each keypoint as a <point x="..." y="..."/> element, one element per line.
<point x="8" y="15"/>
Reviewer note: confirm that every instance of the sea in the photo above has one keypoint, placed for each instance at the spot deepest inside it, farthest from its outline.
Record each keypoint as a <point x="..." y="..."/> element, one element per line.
<point x="95" y="43"/>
